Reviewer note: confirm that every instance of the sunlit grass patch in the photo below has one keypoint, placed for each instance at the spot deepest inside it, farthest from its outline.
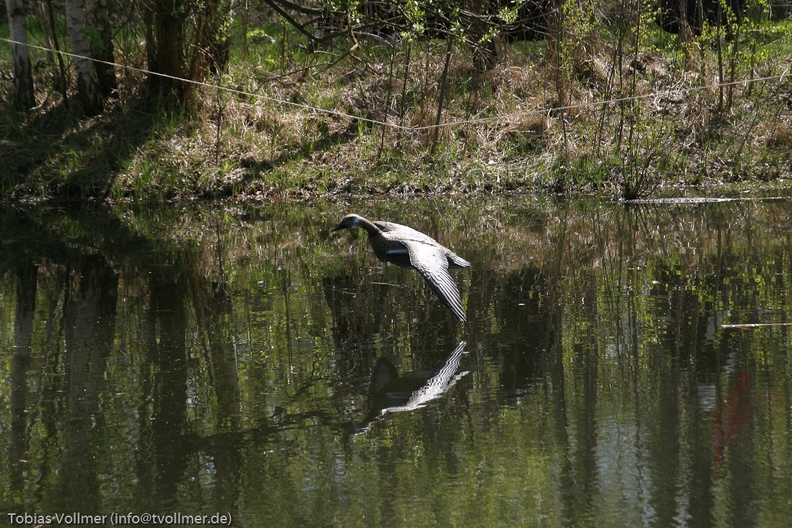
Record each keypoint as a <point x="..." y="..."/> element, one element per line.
<point x="359" y="116"/>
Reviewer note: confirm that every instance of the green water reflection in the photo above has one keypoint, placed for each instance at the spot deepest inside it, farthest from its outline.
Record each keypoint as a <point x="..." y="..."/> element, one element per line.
<point x="203" y="359"/>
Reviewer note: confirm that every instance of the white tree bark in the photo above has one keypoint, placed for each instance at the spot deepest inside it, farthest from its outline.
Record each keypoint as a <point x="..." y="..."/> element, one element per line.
<point x="87" y="79"/>
<point x="20" y="58"/>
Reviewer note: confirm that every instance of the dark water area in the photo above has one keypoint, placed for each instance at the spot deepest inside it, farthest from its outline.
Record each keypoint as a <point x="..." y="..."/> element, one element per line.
<point x="239" y="361"/>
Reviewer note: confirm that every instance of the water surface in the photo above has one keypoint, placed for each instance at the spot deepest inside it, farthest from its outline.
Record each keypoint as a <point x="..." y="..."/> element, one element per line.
<point x="205" y="359"/>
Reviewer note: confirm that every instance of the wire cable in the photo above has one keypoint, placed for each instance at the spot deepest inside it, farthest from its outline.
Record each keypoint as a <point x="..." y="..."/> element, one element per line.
<point x="448" y="124"/>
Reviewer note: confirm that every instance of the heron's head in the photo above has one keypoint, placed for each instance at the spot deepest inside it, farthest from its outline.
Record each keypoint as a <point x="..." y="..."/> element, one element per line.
<point x="348" y="222"/>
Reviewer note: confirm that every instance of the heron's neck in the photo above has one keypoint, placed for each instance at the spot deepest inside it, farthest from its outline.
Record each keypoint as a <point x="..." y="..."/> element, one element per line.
<point x="370" y="228"/>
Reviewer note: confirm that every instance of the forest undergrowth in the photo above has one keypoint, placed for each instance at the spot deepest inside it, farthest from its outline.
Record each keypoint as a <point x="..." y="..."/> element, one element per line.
<point x="624" y="113"/>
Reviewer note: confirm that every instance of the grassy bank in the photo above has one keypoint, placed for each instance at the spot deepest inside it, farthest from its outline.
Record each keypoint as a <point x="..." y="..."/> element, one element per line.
<point x="602" y="115"/>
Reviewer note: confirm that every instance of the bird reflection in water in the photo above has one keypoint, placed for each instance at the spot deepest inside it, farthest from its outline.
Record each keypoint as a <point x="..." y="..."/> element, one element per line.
<point x="390" y="393"/>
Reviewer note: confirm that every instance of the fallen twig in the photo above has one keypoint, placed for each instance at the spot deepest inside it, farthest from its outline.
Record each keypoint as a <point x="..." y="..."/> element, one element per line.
<point x="754" y="325"/>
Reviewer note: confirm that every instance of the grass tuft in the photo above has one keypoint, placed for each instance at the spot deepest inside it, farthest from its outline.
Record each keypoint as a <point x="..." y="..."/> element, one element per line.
<point x="601" y="122"/>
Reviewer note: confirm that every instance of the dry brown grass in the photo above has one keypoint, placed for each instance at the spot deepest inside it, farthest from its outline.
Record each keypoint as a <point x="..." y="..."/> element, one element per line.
<point x="309" y="125"/>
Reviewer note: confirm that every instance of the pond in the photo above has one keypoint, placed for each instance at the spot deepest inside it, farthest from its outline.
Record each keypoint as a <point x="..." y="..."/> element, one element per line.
<point x="621" y="365"/>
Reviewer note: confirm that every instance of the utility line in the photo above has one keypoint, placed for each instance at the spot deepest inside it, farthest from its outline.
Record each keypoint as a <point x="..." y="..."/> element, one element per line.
<point x="338" y="113"/>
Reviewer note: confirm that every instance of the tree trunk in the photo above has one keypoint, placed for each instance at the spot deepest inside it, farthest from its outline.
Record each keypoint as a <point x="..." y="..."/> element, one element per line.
<point x="20" y="59"/>
<point x="170" y="58"/>
<point x="556" y="51"/>
<point x="165" y="21"/>
<point x="101" y="42"/>
<point x="54" y="57"/>
<point x="484" y="52"/>
<point x="209" y="47"/>
<point x="88" y="89"/>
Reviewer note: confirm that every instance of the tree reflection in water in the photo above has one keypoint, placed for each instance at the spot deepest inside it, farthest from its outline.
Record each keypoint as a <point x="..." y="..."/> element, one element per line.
<point x="216" y="358"/>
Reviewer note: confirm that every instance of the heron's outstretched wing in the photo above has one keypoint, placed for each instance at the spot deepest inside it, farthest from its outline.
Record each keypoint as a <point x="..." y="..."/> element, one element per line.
<point x="432" y="263"/>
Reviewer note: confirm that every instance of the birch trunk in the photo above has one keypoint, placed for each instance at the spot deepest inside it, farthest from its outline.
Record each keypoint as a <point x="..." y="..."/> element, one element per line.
<point x="88" y="88"/>
<point x="20" y="58"/>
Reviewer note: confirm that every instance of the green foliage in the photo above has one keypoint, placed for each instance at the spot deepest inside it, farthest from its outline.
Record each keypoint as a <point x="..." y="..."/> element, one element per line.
<point x="614" y="93"/>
